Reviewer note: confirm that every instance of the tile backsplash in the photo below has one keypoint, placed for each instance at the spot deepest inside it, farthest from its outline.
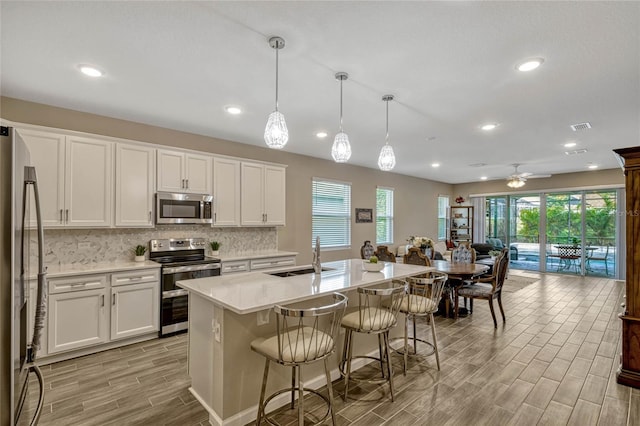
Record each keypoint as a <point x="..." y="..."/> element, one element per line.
<point x="116" y="245"/>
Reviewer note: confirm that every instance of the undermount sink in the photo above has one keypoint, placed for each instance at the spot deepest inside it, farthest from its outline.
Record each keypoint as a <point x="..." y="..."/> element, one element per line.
<point x="294" y="272"/>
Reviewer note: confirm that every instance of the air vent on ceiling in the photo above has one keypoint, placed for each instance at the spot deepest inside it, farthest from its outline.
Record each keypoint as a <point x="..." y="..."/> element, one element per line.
<point x="477" y="165"/>
<point x="577" y="151"/>
<point x="580" y="126"/>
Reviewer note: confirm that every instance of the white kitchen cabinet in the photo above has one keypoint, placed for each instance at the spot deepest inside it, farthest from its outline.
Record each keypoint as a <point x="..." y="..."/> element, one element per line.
<point x="135" y="303"/>
<point x="184" y="172"/>
<point x="230" y="267"/>
<point x="74" y="178"/>
<point x="77" y="313"/>
<point x="226" y="192"/>
<point x="135" y="185"/>
<point x="263" y="189"/>
<point x="272" y="263"/>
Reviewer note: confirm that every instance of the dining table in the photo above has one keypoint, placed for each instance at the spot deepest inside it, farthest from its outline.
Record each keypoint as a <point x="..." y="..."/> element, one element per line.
<point x="458" y="273"/>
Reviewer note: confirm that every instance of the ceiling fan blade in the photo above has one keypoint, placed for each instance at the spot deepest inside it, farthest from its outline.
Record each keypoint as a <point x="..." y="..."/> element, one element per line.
<point x="538" y="176"/>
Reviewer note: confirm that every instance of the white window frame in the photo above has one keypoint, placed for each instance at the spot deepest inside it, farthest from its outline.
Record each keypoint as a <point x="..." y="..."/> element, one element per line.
<point x="330" y="239"/>
<point x="443" y="212"/>
<point x="387" y="215"/>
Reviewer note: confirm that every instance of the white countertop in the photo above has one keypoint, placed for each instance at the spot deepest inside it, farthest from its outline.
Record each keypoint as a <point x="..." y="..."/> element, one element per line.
<point x="65" y="270"/>
<point x="256" y="255"/>
<point x="255" y="291"/>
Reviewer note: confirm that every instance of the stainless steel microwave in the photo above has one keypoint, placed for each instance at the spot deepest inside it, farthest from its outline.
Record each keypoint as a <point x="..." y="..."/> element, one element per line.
<point x="176" y="208"/>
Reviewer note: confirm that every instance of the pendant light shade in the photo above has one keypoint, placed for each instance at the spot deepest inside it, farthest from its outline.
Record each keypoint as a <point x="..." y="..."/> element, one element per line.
<point x="276" y="134"/>
<point x="387" y="159"/>
<point x="341" y="149"/>
<point x="515" y="183"/>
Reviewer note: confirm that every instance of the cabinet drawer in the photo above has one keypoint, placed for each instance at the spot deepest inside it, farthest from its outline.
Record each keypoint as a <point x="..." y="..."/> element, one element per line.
<point x="272" y="262"/>
<point x="83" y="282"/>
<point x="135" y="277"/>
<point x="236" y="266"/>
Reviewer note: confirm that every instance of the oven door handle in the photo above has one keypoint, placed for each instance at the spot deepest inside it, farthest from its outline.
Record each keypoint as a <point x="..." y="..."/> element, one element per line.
<point x="180" y="269"/>
<point x="174" y="293"/>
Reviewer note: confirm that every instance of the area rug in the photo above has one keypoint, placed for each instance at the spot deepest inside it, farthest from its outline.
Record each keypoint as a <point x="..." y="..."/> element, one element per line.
<point x="517" y="282"/>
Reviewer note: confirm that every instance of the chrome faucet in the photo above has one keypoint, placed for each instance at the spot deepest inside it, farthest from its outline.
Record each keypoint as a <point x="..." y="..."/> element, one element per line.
<point x="317" y="267"/>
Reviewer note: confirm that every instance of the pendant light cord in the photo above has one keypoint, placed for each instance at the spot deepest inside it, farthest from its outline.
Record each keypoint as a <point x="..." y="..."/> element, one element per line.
<point x="340" y="105"/>
<point x="387" y="138"/>
<point x="277" y="48"/>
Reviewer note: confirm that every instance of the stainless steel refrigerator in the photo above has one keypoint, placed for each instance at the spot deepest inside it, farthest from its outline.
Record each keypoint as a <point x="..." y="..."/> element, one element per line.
<point x="22" y="259"/>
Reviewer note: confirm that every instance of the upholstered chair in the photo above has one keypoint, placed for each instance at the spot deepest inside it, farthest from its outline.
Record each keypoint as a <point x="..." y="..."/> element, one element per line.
<point x="383" y="254"/>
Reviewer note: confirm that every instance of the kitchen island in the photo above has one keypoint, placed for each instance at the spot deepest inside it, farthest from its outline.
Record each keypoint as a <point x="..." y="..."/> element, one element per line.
<point x="227" y="312"/>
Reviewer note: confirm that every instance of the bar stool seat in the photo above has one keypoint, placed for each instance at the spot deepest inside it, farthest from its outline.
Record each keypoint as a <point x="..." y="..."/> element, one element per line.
<point x="423" y="298"/>
<point x="376" y="314"/>
<point x="303" y="336"/>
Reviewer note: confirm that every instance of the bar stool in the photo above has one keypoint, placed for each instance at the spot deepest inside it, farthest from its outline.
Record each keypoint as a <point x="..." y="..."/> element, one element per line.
<point x="302" y="336"/>
<point x="376" y="314"/>
<point x="423" y="296"/>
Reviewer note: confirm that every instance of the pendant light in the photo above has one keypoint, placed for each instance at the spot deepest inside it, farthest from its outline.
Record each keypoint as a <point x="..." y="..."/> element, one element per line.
<point x="387" y="159"/>
<point x="341" y="150"/>
<point x="276" y="134"/>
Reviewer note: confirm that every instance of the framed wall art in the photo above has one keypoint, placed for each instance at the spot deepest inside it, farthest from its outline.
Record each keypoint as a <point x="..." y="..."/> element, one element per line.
<point x="364" y="215"/>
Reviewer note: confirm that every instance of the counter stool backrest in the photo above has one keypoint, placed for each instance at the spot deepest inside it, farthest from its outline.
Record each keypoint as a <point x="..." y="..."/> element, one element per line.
<point x="424" y="293"/>
<point x="378" y="307"/>
<point x="308" y="334"/>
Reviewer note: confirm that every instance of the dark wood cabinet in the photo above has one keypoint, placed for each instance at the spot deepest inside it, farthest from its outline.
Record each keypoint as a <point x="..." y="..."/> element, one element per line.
<point x="629" y="371"/>
<point x="461" y="224"/>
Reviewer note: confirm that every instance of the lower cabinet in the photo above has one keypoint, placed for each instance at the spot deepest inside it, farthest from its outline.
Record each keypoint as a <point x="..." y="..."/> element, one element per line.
<point x="259" y="264"/>
<point x="134" y="309"/>
<point x="77" y="319"/>
<point x="84" y="310"/>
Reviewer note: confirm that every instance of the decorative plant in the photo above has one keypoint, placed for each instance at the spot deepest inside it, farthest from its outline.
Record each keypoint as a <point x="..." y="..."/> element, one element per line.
<point x="494" y="253"/>
<point x="140" y="250"/>
<point x="215" y="245"/>
<point x="422" y="242"/>
<point x="459" y="199"/>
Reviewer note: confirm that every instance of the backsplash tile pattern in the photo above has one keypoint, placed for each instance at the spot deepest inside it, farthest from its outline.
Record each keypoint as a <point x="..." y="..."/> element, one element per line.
<point x="116" y="245"/>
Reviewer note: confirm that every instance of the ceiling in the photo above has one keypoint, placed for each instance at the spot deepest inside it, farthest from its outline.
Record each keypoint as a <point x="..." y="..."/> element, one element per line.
<point x="450" y="65"/>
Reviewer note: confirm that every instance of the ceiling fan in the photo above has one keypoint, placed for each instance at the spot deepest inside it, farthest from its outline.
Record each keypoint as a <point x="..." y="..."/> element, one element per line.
<point x="517" y="180"/>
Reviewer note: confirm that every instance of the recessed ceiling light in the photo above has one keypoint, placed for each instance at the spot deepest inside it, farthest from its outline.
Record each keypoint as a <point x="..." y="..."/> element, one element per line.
<point x="233" y="109"/>
<point x="570" y="144"/>
<point x="530" y="64"/>
<point x="321" y="135"/>
<point x="483" y="178"/>
<point x="435" y="164"/>
<point x="592" y="166"/>
<point x="489" y="126"/>
<point x="91" y="71"/>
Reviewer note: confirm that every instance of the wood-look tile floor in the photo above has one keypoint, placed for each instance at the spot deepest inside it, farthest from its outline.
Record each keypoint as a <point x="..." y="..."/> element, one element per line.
<point x="552" y="363"/>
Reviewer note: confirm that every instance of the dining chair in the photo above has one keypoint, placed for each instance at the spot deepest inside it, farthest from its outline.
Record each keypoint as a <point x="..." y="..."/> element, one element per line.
<point x="303" y="336"/>
<point x="462" y="254"/>
<point x="596" y="256"/>
<point x="490" y="288"/>
<point x="383" y="254"/>
<point x="415" y="256"/>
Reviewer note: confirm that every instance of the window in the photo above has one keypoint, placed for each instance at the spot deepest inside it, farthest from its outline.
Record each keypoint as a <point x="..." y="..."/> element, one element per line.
<point x="331" y="211"/>
<point x="384" y="215"/>
<point x="443" y="206"/>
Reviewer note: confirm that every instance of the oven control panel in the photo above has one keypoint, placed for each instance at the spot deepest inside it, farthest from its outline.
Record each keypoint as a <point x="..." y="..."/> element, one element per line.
<point x="174" y="244"/>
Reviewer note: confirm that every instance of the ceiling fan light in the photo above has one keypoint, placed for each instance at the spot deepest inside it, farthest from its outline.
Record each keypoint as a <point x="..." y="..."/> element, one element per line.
<point x="387" y="159"/>
<point x="276" y="134"/>
<point x="341" y="149"/>
<point x="515" y="183"/>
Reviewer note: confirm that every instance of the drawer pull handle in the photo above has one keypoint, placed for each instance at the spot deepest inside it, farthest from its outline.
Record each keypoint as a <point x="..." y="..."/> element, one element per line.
<point x="103" y="300"/>
<point x="113" y="301"/>
<point x="78" y="285"/>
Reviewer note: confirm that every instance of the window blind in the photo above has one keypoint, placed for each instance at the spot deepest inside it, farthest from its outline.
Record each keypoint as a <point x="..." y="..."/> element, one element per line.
<point x="443" y="207"/>
<point x="384" y="215"/>
<point x="331" y="213"/>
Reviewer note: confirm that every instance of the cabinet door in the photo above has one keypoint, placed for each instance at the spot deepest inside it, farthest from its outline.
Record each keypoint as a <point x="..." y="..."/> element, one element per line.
<point x="135" y="184"/>
<point x="77" y="319"/>
<point x="226" y="192"/>
<point x="89" y="184"/>
<point x="47" y="155"/>
<point x="274" y="195"/>
<point x="198" y="173"/>
<point x="134" y="309"/>
<point x="252" y="211"/>
<point x="171" y="171"/>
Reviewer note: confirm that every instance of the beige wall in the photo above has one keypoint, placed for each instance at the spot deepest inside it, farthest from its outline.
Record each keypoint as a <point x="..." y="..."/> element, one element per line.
<point x="415" y="199"/>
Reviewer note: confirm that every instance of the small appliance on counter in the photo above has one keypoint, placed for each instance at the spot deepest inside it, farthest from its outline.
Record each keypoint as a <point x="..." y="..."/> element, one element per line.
<point x="181" y="259"/>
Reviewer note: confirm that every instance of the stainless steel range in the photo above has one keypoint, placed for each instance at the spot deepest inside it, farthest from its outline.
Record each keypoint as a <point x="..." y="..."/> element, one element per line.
<point x="181" y="259"/>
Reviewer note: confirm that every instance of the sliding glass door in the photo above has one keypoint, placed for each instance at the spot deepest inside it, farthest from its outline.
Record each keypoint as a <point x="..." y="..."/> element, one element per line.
<point x="524" y="227"/>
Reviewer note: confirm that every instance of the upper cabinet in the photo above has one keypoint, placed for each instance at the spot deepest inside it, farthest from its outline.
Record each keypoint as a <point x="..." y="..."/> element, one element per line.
<point x="74" y="178"/>
<point x="184" y="172"/>
<point x="135" y="185"/>
<point x="461" y="227"/>
<point x="263" y="191"/>
<point x="226" y="192"/>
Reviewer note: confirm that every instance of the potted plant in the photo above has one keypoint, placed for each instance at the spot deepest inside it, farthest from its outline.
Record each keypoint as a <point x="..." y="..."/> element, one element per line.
<point x="494" y="253"/>
<point x="139" y="252"/>
<point x="215" y="248"/>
